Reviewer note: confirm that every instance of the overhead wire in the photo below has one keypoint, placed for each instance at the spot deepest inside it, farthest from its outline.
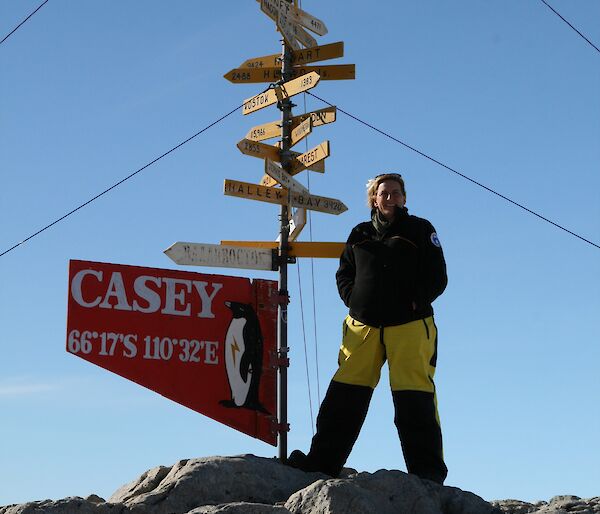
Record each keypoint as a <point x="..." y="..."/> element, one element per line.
<point x="131" y="175"/>
<point x="312" y="424"/>
<point x="489" y="189"/>
<point x="570" y="25"/>
<point x="23" y="22"/>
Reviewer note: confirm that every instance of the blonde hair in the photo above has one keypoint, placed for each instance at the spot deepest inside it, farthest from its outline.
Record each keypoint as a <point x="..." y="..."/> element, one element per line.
<point x="373" y="184"/>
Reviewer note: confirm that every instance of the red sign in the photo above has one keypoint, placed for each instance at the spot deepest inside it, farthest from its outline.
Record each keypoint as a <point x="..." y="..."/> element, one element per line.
<point x="204" y="341"/>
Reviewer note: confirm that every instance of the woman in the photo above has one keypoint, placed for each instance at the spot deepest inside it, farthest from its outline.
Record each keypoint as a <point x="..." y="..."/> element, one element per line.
<point x="391" y="270"/>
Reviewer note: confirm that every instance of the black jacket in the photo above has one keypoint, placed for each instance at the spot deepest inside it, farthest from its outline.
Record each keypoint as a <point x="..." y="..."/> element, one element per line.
<point x="381" y="276"/>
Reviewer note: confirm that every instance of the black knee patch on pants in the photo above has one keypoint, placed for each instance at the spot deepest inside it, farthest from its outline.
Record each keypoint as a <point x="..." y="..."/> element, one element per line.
<point x="420" y="434"/>
<point x="340" y="419"/>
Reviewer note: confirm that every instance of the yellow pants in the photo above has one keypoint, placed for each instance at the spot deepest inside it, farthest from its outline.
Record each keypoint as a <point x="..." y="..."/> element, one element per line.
<point x="410" y="350"/>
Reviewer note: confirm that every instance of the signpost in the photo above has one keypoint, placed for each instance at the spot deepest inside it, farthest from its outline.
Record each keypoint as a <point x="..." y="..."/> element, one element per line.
<point x="214" y="343"/>
<point x="181" y="335"/>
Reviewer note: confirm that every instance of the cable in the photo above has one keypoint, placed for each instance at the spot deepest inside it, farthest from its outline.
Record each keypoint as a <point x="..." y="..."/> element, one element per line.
<point x="17" y="27"/>
<point x="312" y="270"/>
<point x="422" y="154"/>
<point x="563" y="19"/>
<point x="120" y="181"/>
<point x="312" y="423"/>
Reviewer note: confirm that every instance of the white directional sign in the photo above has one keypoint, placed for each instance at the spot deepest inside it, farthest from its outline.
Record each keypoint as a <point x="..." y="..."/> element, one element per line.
<point x="273" y="7"/>
<point x="297" y="222"/>
<point x="201" y="254"/>
<point x="284" y="178"/>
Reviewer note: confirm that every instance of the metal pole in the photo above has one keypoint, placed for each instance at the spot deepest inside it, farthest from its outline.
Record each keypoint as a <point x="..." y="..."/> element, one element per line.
<point x="286" y="115"/>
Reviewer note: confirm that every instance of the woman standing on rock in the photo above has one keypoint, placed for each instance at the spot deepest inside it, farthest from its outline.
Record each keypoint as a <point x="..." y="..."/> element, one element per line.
<point x="391" y="270"/>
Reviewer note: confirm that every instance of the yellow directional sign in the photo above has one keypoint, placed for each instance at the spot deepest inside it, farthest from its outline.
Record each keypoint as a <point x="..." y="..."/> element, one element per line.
<point x="260" y="150"/>
<point x="265" y="131"/>
<point x="318" y="53"/>
<point x="301" y="131"/>
<point x="303" y="56"/>
<point x="273" y="73"/>
<point x="320" y="117"/>
<point x="318" y="203"/>
<point x="296" y="249"/>
<point x="314" y="155"/>
<point x="273" y="128"/>
<point x="283" y="178"/>
<point x="297" y="167"/>
<point x="287" y="89"/>
<point x="283" y="196"/>
<point x="255" y="192"/>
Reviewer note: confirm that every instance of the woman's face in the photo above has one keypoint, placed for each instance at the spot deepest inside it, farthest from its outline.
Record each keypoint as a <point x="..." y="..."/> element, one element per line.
<point x="388" y="196"/>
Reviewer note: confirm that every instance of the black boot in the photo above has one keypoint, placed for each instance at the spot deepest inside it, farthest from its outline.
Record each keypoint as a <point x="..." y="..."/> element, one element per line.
<point x="420" y="434"/>
<point x="340" y="419"/>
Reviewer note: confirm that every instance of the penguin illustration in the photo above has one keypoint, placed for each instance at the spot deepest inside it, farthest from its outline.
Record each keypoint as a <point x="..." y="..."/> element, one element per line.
<point x="243" y="357"/>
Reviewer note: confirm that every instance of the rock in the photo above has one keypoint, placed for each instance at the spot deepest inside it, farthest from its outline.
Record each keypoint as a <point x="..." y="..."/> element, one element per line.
<point x="72" y="505"/>
<point x="514" y="506"/>
<point x="247" y="484"/>
<point x="241" y="508"/>
<point x="212" y="481"/>
<point x="565" y="504"/>
<point x="385" y="492"/>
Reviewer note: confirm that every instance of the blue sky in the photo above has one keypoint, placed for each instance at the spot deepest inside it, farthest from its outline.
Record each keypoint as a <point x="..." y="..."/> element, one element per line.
<point x="505" y="92"/>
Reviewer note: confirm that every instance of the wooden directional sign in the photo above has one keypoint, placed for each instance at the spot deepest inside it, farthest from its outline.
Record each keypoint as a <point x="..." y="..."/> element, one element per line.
<point x="255" y="192"/>
<point x="200" y="254"/>
<point x="314" y="155"/>
<point x="297" y="222"/>
<point x="174" y="332"/>
<point x="324" y="249"/>
<point x="273" y="128"/>
<point x="289" y="30"/>
<point x="272" y="8"/>
<point x="260" y="150"/>
<point x="317" y="203"/>
<point x="273" y="74"/>
<point x="302" y="56"/>
<point x="320" y="117"/>
<point x="287" y="89"/>
<point x="265" y="131"/>
<point x="309" y="21"/>
<point x="304" y="37"/>
<point x="284" y="178"/>
<point x="301" y="131"/>
<point x="283" y="197"/>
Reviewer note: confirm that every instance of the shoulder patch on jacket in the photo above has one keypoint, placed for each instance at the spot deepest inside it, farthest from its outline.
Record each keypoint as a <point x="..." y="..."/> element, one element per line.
<point x="435" y="240"/>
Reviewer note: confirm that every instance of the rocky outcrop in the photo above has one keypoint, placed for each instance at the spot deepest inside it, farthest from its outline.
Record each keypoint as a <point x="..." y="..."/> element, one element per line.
<point x="248" y="484"/>
<point x="557" y="505"/>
